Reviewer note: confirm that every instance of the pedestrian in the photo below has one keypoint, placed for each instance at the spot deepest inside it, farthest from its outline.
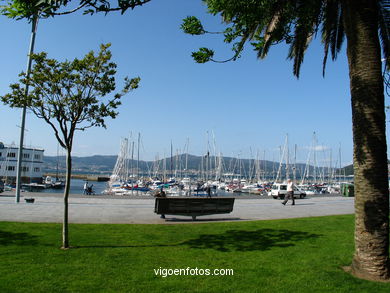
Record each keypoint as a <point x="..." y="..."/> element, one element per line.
<point x="90" y="190"/>
<point x="208" y="190"/>
<point x="290" y="193"/>
<point x="161" y="194"/>
<point x="86" y="187"/>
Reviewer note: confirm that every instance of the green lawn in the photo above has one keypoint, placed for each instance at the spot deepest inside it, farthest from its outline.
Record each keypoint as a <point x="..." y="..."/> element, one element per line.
<point x="296" y="255"/>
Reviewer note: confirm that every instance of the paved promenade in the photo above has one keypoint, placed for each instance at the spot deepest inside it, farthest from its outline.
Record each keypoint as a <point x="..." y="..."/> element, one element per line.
<point x="99" y="209"/>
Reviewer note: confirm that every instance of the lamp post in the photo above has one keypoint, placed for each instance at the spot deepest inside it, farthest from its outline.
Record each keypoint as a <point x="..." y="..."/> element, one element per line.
<point x="23" y="115"/>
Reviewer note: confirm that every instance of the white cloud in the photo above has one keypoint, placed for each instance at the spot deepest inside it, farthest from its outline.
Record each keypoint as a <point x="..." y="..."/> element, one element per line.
<point x="317" y="148"/>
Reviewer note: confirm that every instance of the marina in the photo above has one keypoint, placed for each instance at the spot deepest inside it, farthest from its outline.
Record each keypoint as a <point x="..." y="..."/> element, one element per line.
<point x="218" y="177"/>
<point x="177" y="176"/>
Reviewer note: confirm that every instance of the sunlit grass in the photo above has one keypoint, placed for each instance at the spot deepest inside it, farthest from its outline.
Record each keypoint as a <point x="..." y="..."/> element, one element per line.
<point x="295" y="255"/>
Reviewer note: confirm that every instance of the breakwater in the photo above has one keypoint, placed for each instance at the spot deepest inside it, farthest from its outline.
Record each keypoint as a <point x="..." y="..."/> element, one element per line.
<point x="89" y="177"/>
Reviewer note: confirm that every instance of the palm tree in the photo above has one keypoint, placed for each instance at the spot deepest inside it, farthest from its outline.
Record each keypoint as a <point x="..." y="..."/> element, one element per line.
<point x="365" y="24"/>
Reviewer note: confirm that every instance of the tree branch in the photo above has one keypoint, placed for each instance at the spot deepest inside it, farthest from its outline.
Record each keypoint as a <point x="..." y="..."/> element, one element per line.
<point x="70" y="11"/>
<point x="42" y="114"/>
<point x="125" y="6"/>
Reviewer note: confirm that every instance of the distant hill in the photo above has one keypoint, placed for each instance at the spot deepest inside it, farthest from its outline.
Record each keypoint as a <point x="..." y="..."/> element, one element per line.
<point x="100" y="164"/>
<point x="348" y="170"/>
<point x="92" y="164"/>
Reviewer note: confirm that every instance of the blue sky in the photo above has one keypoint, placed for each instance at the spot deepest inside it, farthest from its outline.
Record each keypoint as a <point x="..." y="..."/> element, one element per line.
<point x="248" y="105"/>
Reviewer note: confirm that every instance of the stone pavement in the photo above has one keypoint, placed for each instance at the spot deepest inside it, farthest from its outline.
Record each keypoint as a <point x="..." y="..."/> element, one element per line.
<point x="49" y="208"/>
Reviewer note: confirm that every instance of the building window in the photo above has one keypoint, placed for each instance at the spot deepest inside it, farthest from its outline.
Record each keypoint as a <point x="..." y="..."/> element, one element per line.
<point x="10" y="168"/>
<point x="25" y="169"/>
<point x="36" y="169"/>
<point x="1" y="154"/>
<point x="26" y="156"/>
<point x="37" y="157"/>
<point x="11" y="155"/>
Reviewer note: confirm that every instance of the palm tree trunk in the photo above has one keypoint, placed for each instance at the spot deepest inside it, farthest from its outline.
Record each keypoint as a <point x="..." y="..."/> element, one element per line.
<point x="371" y="258"/>
<point x="65" y="231"/>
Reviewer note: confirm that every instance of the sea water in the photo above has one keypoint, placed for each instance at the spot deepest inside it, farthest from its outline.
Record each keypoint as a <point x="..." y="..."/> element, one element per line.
<point x="77" y="187"/>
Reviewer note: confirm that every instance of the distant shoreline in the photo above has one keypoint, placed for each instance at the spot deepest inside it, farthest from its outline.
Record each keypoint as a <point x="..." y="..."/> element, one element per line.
<point x="89" y="177"/>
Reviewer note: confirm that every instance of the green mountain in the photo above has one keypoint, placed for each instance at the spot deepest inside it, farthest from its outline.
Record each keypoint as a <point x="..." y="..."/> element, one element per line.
<point x="100" y="164"/>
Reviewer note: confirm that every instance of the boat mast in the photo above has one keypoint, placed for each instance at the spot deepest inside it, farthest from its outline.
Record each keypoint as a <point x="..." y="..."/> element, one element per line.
<point x="282" y="154"/>
<point x="287" y="159"/>
<point x="273" y="166"/>
<point x="340" y="163"/>
<point x="315" y="157"/>
<point x="295" y="164"/>
<point x="306" y="173"/>
<point x="330" y="167"/>
<point x="188" y="142"/>
<point x="165" y="168"/>
<point x="126" y="160"/>
<point x="57" y="161"/>
<point x="171" y="175"/>
<point x="264" y="167"/>
<point x="207" y="158"/>
<point x="201" y="168"/>
<point x="132" y="161"/>
<point x="132" y="167"/>
<point x="215" y="154"/>
<point x="139" y="141"/>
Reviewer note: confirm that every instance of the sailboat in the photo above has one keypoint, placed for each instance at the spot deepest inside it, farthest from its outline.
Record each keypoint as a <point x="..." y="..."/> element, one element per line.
<point x="55" y="183"/>
<point x="121" y="182"/>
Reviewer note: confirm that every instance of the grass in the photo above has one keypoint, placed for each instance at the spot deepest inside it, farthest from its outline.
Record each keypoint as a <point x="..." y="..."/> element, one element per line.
<point x="295" y="255"/>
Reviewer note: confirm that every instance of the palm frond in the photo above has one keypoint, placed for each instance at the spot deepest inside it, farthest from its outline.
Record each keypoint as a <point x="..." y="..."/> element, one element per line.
<point x="384" y="30"/>
<point x="307" y="20"/>
<point x="277" y="25"/>
<point x="332" y="30"/>
<point x="338" y="34"/>
<point x="276" y="31"/>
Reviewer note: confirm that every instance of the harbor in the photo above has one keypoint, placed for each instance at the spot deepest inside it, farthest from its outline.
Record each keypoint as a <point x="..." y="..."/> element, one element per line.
<point x="180" y="174"/>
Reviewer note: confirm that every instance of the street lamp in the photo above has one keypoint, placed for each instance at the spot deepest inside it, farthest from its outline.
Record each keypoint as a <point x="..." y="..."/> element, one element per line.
<point x="23" y="116"/>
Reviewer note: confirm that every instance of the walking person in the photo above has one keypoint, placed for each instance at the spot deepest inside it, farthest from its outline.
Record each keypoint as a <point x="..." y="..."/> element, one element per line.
<point x="208" y="190"/>
<point x="86" y="187"/>
<point x="290" y="193"/>
<point x="90" y="190"/>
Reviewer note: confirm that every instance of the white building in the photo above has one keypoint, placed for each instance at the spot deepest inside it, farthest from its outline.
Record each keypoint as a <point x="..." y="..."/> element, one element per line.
<point x="32" y="163"/>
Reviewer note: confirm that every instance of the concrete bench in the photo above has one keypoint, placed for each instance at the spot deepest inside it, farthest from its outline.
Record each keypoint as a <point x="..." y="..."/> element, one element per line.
<point x="190" y="206"/>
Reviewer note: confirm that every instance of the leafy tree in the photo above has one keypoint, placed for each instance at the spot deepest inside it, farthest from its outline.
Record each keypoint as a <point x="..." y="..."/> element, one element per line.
<point x="33" y="10"/>
<point x="71" y="96"/>
<point x="366" y="26"/>
<point x="20" y="9"/>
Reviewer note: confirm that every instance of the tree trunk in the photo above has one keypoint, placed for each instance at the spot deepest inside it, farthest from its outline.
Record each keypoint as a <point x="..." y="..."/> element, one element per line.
<point x="371" y="258"/>
<point x="65" y="233"/>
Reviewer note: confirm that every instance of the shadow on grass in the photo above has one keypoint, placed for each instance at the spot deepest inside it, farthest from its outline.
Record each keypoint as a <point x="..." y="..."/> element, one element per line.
<point x="198" y="220"/>
<point x="123" y="246"/>
<point x="233" y="240"/>
<point x="10" y="238"/>
<point x="241" y="240"/>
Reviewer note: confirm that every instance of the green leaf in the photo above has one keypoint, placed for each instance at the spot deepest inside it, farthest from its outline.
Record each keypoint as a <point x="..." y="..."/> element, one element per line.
<point x="203" y="55"/>
<point x="191" y="25"/>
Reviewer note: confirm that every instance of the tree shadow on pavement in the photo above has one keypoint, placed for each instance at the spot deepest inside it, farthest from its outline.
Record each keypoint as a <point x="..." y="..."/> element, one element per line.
<point x="241" y="240"/>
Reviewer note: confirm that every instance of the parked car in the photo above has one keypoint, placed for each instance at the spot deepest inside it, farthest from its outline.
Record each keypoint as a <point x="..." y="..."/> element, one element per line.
<point x="1" y="186"/>
<point x="279" y="190"/>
